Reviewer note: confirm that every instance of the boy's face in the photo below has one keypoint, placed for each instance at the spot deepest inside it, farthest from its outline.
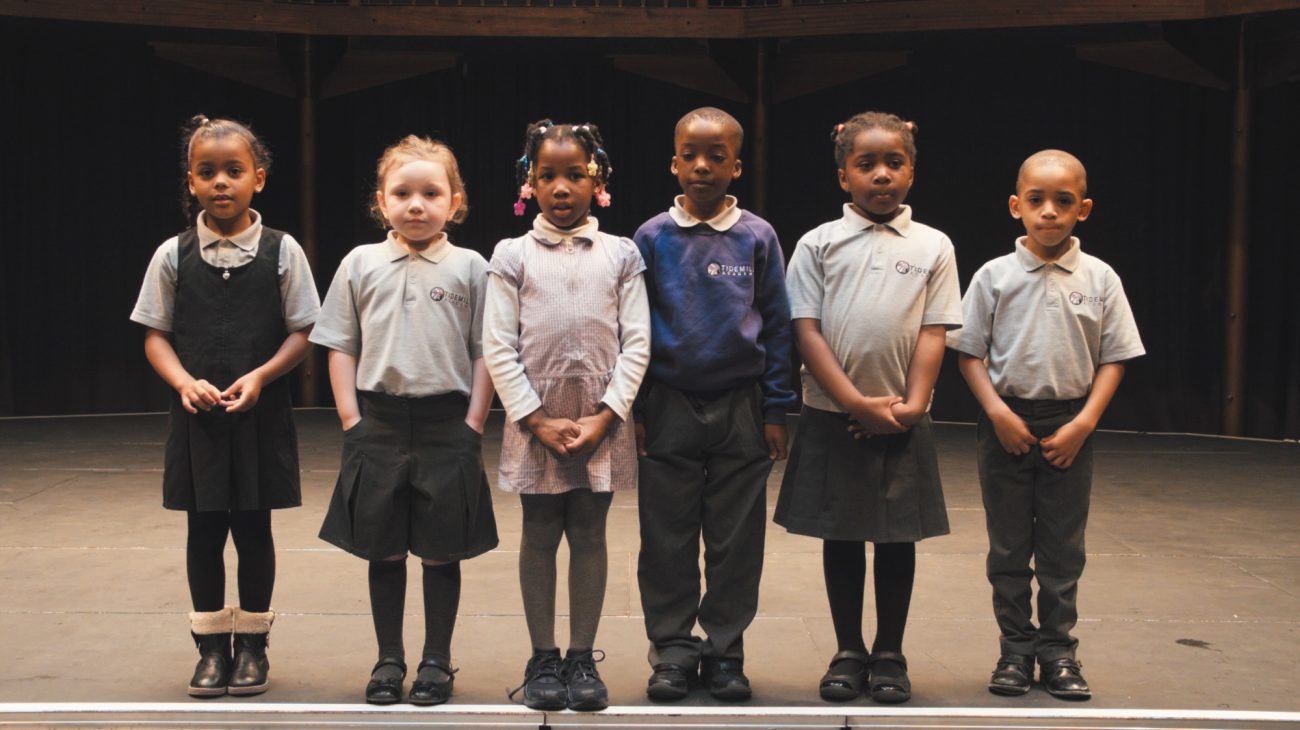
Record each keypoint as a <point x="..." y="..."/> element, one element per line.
<point x="1049" y="201"/>
<point x="878" y="173"/>
<point x="705" y="162"/>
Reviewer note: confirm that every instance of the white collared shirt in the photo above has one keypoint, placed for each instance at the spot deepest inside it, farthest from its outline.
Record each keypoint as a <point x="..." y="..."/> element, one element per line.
<point x="721" y="222"/>
<point x="298" y="297"/>
<point x="872" y="286"/>
<point x="1046" y="327"/>
<point x="413" y="319"/>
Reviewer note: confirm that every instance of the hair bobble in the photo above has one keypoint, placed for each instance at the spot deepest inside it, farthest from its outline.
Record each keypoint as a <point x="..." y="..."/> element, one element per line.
<point x="602" y="198"/>
<point x="592" y="168"/>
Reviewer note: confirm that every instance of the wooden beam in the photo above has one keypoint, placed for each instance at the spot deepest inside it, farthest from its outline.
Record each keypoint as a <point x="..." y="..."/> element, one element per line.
<point x="1155" y="58"/>
<point x="631" y="22"/>
<point x="252" y="65"/>
<point x="801" y="74"/>
<point x="362" y="69"/>
<point x="697" y="72"/>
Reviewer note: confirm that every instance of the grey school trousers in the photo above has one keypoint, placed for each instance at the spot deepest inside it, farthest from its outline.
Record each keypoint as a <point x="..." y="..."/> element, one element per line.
<point x="1035" y="510"/>
<point x="705" y="474"/>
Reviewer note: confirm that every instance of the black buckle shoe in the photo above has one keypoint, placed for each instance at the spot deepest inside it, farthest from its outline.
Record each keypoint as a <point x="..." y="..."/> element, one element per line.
<point x="726" y="679"/>
<point x="670" y="682"/>
<point x="889" y="683"/>
<point x="433" y="682"/>
<point x="1063" y="678"/>
<point x="543" y="688"/>
<point x="251" y="673"/>
<point x="385" y="688"/>
<point x="213" y="670"/>
<point x="587" y="692"/>
<point x="845" y="676"/>
<point x="1013" y="675"/>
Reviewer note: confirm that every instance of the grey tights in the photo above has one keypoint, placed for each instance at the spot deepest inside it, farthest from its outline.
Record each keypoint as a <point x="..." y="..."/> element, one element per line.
<point x="579" y="516"/>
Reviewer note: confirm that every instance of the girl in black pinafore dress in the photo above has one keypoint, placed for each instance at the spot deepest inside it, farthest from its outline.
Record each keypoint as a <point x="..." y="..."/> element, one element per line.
<point x="228" y="304"/>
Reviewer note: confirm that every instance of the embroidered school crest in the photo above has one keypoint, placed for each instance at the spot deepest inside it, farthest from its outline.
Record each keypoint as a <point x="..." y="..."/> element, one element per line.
<point x="902" y="267"/>
<point x="714" y="268"/>
<point x="905" y="269"/>
<point x="1076" y="298"/>
<point x="438" y="294"/>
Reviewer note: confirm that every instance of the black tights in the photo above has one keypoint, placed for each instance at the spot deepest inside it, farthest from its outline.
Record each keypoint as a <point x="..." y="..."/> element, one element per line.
<point x="205" y="561"/>
<point x="844" y="563"/>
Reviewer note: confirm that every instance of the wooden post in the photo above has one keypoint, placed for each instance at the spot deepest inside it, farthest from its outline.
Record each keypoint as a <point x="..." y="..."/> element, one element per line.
<point x="307" y="394"/>
<point x="1234" y="356"/>
<point x="762" y="97"/>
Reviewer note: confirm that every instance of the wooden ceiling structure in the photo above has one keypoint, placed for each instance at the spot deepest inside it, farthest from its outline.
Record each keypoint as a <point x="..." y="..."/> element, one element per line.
<point x="323" y="48"/>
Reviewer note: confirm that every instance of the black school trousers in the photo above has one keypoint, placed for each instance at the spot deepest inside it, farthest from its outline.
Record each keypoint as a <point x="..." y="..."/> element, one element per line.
<point x="704" y="475"/>
<point x="1035" y="511"/>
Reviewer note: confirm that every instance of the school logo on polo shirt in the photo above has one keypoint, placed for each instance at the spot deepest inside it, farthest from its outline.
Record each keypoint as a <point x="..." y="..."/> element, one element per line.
<point x="1077" y="298"/>
<point x="716" y="269"/>
<point x="905" y="269"/>
<point x="439" y="294"/>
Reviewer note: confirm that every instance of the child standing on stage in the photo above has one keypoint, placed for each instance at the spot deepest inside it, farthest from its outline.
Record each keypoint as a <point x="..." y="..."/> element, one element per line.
<point x="402" y="320"/>
<point x="228" y="305"/>
<point x="712" y="412"/>
<point x="566" y="338"/>
<point x="1047" y="331"/>
<point x="871" y="295"/>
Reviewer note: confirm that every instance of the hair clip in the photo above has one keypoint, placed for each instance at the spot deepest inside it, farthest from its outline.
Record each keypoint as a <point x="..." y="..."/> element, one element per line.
<point x="602" y="198"/>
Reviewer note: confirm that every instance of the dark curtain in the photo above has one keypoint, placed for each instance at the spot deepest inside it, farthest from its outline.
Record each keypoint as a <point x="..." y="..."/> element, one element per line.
<point x="89" y="186"/>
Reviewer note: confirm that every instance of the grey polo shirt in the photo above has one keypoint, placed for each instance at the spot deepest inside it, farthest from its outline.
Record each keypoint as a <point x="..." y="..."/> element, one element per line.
<point x="298" y="297"/>
<point x="1046" y="327"/>
<point x="414" y="320"/>
<point x="873" y="286"/>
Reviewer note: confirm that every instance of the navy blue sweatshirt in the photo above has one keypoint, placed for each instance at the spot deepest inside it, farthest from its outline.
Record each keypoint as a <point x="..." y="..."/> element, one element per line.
<point x="719" y="314"/>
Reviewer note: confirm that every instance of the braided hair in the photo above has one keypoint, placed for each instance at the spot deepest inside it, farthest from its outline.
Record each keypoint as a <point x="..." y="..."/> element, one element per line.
<point x="200" y="127"/>
<point x="585" y="135"/>
<point x="845" y="133"/>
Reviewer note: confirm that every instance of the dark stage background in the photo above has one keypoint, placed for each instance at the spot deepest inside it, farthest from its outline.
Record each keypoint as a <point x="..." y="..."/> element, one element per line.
<point x="90" y="174"/>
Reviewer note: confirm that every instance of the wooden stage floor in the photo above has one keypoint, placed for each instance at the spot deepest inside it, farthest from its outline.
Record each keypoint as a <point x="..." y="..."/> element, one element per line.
<point x="1190" y="603"/>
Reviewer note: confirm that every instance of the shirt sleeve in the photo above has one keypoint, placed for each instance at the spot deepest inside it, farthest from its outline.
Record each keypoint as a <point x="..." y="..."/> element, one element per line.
<point x="298" y="293"/>
<point x="501" y="336"/>
<point x="978" y="307"/>
<point x="338" y="325"/>
<point x="805" y="280"/>
<point x="942" y="294"/>
<point x="633" y="335"/>
<point x="1119" y="334"/>
<point x="157" y="300"/>
<point x="478" y="285"/>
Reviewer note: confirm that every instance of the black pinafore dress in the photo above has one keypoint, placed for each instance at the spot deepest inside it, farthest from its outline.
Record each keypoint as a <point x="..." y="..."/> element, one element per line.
<point x="225" y="323"/>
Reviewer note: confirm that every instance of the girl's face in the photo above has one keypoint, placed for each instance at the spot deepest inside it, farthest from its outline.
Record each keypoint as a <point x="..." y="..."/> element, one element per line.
<point x="877" y="173"/>
<point x="223" y="177"/>
<point x="417" y="201"/>
<point x="564" y="189"/>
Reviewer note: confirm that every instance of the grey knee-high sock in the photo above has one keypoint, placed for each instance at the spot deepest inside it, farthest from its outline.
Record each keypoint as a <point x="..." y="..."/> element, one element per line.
<point x="387" y="604"/>
<point x="543" y="527"/>
<point x="441" y="599"/>
<point x="588" y="564"/>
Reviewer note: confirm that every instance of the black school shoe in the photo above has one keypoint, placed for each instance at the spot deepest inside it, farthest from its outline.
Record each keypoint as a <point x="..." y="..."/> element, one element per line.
<point x="543" y="688"/>
<point x="1063" y="678"/>
<point x="670" y="682"/>
<point x="385" y="685"/>
<point x="586" y="690"/>
<point x="433" y="682"/>
<point x="1013" y="675"/>
<point x="725" y="679"/>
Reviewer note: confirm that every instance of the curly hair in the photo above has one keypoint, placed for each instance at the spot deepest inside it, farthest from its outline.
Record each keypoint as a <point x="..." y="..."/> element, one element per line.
<point x="200" y="127"/>
<point x="845" y="133"/>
